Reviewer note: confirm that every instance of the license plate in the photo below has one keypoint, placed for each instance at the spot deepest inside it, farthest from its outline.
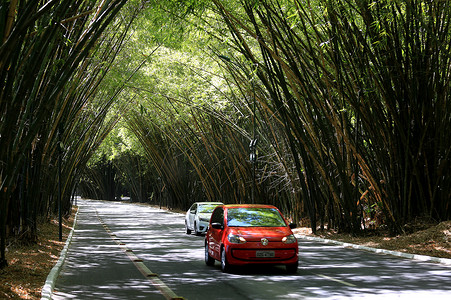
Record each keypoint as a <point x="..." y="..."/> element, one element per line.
<point x="263" y="254"/>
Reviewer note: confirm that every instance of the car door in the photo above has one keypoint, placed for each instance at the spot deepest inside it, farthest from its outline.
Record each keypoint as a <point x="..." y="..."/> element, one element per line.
<point x="192" y="214"/>
<point x="215" y="234"/>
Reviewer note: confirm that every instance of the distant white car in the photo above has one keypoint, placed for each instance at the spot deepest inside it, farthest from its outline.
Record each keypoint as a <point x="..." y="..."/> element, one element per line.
<point x="198" y="217"/>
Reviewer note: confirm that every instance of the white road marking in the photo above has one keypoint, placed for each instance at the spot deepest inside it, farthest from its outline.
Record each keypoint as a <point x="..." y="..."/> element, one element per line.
<point x="336" y="280"/>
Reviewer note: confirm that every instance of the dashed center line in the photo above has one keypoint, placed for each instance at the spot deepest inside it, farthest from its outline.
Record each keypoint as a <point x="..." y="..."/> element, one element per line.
<point x="334" y="279"/>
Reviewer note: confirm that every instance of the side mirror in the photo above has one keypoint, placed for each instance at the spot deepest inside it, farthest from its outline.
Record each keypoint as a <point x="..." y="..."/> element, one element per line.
<point x="292" y="225"/>
<point x="217" y="226"/>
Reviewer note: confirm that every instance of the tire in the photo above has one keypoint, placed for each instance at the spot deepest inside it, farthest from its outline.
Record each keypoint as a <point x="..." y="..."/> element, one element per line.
<point x="225" y="267"/>
<point x="209" y="261"/>
<point x="292" y="268"/>
<point x="187" y="230"/>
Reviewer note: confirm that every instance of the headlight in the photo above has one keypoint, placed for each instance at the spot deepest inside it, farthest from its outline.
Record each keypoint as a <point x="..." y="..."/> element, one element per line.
<point x="290" y="239"/>
<point x="236" y="239"/>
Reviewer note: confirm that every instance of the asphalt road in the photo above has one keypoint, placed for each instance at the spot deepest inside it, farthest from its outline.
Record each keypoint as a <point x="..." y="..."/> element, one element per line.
<point x="118" y="248"/>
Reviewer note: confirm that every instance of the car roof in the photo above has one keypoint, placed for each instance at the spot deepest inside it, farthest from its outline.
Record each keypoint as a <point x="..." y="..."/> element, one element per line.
<point x="219" y="203"/>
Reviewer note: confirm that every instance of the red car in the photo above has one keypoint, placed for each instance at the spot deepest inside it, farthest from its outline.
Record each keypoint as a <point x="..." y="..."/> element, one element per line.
<point x="245" y="234"/>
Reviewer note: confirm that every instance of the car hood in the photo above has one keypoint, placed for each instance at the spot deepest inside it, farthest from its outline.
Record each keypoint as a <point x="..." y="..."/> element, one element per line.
<point x="204" y="216"/>
<point x="257" y="233"/>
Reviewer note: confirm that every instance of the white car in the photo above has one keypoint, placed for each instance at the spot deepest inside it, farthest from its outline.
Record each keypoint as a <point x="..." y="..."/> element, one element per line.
<point x="198" y="217"/>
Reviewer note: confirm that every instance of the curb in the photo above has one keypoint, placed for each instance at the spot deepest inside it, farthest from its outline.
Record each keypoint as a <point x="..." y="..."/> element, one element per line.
<point x="424" y="258"/>
<point x="47" y="289"/>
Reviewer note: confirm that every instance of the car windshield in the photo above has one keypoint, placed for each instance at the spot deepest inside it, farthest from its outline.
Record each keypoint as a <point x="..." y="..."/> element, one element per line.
<point x="206" y="208"/>
<point x="254" y="217"/>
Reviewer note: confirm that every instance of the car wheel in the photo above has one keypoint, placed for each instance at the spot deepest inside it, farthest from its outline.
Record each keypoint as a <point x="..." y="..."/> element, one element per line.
<point x="188" y="231"/>
<point x="209" y="261"/>
<point x="292" y="268"/>
<point x="225" y="267"/>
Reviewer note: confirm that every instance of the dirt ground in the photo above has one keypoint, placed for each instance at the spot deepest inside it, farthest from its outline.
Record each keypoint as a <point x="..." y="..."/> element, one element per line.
<point x="424" y="239"/>
<point x="29" y="265"/>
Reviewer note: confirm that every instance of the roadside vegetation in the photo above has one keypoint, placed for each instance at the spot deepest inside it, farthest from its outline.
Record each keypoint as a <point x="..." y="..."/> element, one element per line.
<point x="347" y="104"/>
<point x="335" y="111"/>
